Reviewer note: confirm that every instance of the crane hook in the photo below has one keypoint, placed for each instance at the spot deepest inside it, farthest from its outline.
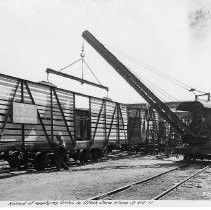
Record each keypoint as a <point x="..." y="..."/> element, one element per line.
<point x="82" y="50"/>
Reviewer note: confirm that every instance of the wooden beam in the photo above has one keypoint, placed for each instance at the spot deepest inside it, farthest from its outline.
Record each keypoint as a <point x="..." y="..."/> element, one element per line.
<point x="75" y="78"/>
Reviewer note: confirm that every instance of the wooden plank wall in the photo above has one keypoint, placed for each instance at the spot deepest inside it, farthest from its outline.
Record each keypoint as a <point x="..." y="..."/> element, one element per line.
<point x="42" y="97"/>
<point x="32" y="137"/>
<point x="96" y="105"/>
<point x="143" y="135"/>
<point x="152" y="128"/>
<point x="123" y="121"/>
<point x="12" y="132"/>
<point x="142" y="125"/>
<point x="137" y="125"/>
<point x="108" y="121"/>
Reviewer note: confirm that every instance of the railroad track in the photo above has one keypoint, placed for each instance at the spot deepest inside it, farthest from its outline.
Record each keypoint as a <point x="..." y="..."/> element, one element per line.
<point x="114" y="193"/>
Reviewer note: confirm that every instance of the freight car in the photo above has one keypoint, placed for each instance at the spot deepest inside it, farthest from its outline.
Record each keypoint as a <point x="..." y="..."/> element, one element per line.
<point x="149" y="132"/>
<point x="32" y="114"/>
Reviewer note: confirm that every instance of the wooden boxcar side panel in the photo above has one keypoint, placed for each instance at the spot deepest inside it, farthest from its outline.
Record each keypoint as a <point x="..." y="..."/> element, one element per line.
<point x="66" y="100"/>
<point x="111" y="121"/>
<point x="123" y="123"/>
<point x="56" y="113"/>
<point x="10" y="133"/>
<point x="108" y="121"/>
<point x="136" y="125"/>
<point x="97" y="119"/>
<point x="54" y="108"/>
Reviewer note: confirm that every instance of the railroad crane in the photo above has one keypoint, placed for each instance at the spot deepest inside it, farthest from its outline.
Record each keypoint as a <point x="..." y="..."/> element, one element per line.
<point x="192" y="138"/>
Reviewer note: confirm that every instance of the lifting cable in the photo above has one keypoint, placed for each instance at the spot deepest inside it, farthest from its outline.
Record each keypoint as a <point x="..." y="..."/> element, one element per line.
<point x="161" y="74"/>
<point x="70" y="65"/>
<point x="156" y="92"/>
<point x="82" y="59"/>
<point x="169" y="78"/>
<point x="150" y="86"/>
<point x="154" y="70"/>
<point x="92" y="72"/>
<point x="161" y="91"/>
<point x="155" y="87"/>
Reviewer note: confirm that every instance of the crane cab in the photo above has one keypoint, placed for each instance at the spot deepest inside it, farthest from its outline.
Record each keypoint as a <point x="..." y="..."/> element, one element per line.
<point x="200" y="123"/>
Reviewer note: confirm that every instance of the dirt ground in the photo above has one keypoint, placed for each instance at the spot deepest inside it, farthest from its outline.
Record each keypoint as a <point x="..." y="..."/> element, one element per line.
<point x="85" y="181"/>
<point x="152" y="188"/>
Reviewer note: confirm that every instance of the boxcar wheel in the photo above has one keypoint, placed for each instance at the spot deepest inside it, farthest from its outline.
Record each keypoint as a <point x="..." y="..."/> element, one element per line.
<point x="95" y="155"/>
<point x="15" y="159"/>
<point x="81" y="157"/>
<point x="100" y="153"/>
<point x="87" y="156"/>
<point x="41" y="161"/>
<point x="109" y="149"/>
<point x="187" y="157"/>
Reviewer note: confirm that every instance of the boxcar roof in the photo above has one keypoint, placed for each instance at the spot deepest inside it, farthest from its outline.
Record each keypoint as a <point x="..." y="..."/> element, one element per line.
<point x="191" y="105"/>
<point x="48" y="84"/>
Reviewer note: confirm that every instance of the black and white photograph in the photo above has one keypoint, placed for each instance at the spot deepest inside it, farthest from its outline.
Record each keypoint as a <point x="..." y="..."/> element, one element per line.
<point x="105" y="103"/>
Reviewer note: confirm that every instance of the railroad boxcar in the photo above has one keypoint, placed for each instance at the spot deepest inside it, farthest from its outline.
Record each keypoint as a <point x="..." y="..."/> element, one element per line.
<point x="147" y="131"/>
<point x="32" y="114"/>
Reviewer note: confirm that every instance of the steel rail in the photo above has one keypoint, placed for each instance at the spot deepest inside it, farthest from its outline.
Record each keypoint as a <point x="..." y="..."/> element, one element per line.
<point x="98" y="197"/>
<point x="178" y="184"/>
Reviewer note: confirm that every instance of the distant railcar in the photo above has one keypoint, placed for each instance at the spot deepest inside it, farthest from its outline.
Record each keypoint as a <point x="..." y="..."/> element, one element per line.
<point x="148" y="131"/>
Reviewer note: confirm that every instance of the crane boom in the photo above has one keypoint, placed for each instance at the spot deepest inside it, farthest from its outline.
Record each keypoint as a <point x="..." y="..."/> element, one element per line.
<point x="140" y="88"/>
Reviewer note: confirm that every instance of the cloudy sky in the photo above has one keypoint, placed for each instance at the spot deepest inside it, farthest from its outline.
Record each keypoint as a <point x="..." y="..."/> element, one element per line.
<point x="173" y="37"/>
